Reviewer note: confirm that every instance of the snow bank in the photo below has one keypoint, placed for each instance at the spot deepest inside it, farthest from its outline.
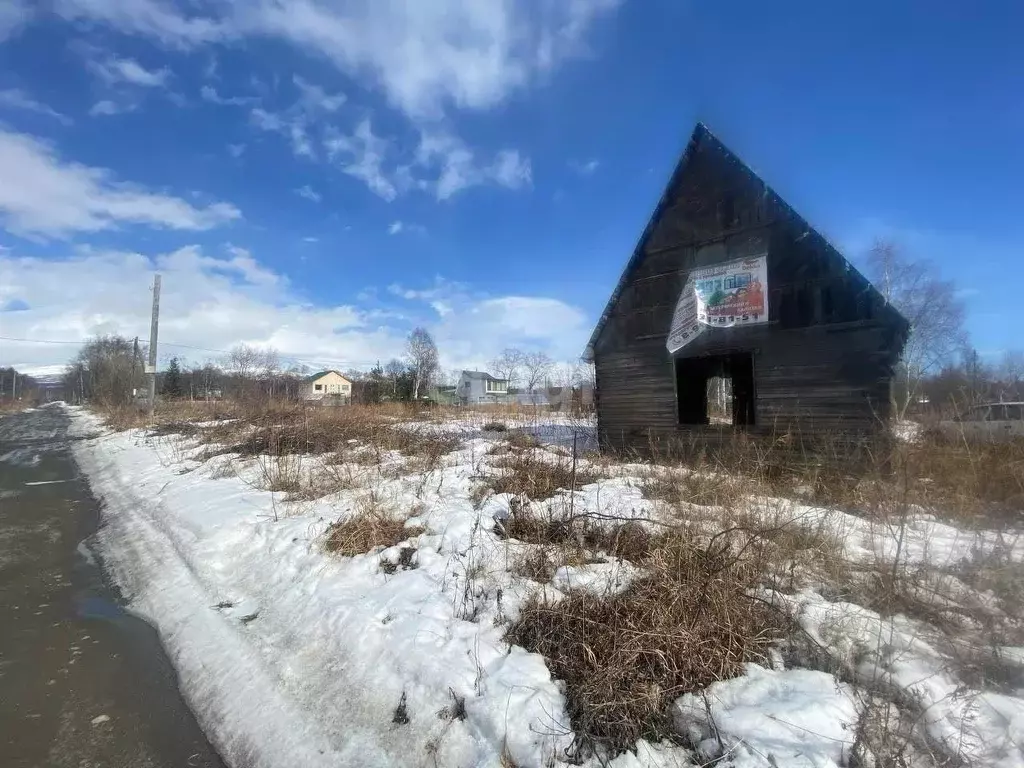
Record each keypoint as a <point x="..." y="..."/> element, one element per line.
<point x="291" y="657"/>
<point x="986" y="727"/>
<point x="767" y="718"/>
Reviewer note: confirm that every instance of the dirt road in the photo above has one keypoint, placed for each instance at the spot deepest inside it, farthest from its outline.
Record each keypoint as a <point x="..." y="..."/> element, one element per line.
<point x="82" y="682"/>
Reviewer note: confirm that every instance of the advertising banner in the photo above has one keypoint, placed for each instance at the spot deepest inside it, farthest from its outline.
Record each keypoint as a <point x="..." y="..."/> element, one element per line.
<point x="720" y="296"/>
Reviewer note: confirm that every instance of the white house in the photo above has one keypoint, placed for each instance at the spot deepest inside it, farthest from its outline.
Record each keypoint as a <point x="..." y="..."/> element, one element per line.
<point x="478" y="388"/>
<point x="325" y="384"/>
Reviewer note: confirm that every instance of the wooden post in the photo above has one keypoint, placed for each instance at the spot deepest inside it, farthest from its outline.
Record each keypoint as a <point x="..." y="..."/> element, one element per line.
<point x="153" y="330"/>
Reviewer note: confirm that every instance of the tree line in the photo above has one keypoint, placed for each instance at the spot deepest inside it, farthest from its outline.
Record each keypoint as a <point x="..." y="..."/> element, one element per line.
<point x="109" y="370"/>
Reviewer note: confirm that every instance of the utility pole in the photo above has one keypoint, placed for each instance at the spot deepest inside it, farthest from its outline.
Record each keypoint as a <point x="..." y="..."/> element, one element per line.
<point x="153" y="328"/>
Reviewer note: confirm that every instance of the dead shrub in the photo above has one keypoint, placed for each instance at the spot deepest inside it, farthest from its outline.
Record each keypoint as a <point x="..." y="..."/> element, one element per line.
<point x="495" y="426"/>
<point x="283" y="474"/>
<point x="537" y="564"/>
<point x="569" y="539"/>
<point x="624" y="658"/>
<point x="515" y="441"/>
<point x="702" y="487"/>
<point x="370" y="528"/>
<point x="327" y="479"/>
<point x="525" y="474"/>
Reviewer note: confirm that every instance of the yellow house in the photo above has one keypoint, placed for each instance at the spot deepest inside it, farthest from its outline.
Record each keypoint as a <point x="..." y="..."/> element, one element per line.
<point x="326" y="384"/>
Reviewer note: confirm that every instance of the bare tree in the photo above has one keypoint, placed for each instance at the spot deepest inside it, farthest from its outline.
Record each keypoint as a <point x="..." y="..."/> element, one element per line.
<point x="106" y="370"/>
<point x="507" y="365"/>
<point x="537" y="366"/>
<point x="421" y="352"/>
<point x="935" y="314"/>
<point x="1010" y="373"/>
<point x="253" y="366"/>
<point x="393" y="372"/>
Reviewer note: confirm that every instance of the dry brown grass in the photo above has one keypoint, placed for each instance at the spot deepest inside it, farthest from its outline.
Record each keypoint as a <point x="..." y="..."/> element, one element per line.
<point x="373" y="525"/>
<point x="363" y="434"/>
<point x="527" y="474"/>
<point x="703" y="487"/>
<point x="624" y="658"/>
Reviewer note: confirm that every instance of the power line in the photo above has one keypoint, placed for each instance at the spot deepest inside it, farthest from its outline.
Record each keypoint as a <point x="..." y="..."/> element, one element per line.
<point x="40" y="341"/>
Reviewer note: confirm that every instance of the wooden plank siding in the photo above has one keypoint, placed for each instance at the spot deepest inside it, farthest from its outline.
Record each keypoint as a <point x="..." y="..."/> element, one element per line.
<point x="822" y="364"/>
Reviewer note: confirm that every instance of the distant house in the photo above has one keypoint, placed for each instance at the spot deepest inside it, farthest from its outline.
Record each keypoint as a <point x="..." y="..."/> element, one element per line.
<point x="479" y="388"/>
<point x="325" y="384"/>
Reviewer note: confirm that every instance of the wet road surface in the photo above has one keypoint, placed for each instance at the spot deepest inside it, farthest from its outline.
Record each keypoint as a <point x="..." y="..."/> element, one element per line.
<point x="82" y="682"/>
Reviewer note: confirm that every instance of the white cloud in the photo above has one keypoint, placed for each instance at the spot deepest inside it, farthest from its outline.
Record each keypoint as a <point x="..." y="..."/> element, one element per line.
<point x="43" y="195"/>
<point x="309" y="193"/>
<point x="13" y="15"/>
<point x="17" y="99"/>
<point x="425" y="56"/>
<point x="291" y="127"/>
<point x="114" y="71"/>
<point x="216" y="302"/>
<point x="394" y="227"/>
<point x="313" y="97"/>
<point x="458" y="168"/>
<point x="361" y="155"/>
<point x="236" y="150"/>
<point x="207" y="302"/>
<point x="152" y="18"/>
<point x="470" y="329"/>
<point x="209" y="93"/>
<point x="106" y="107"/>
<point x="311" y="239"/>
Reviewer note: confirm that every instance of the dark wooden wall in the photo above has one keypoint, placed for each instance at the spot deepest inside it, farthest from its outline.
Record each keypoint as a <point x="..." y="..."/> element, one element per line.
<point x="822" y="363"/>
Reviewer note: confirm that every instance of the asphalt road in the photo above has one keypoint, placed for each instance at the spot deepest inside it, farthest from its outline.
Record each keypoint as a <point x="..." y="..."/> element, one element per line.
<point x="83" y="683"/>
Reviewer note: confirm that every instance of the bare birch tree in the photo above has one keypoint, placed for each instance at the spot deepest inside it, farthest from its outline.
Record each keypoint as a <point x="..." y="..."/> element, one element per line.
<point x="930" y="305"/>
<point x="421" y="353"/>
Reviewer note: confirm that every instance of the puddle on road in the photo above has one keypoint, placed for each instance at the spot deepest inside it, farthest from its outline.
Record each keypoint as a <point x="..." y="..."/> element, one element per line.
<point x="95" y="597"/>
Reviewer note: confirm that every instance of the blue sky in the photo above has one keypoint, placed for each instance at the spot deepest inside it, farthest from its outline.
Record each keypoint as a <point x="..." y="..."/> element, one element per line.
<point x="322" y="176"/>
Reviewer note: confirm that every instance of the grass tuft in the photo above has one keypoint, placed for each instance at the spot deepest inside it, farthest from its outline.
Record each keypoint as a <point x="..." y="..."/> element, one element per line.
<point x="526" y="474"/>
<point x="624" y="658"/>
<point x="367" y="530"/>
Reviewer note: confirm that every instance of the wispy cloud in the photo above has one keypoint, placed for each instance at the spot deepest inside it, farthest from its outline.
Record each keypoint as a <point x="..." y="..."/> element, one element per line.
<point x="294" y="129"/>
<point x="210" y="94"/>
<point x="313" y="97"/>
<point x="40" y="194"/>
<point x="13" y="15"/>
<point x="236" y="150"/>
<point x="425" y="57"/>
<point x="309" y="193"/>
<point x="114" y="71"/>
<point x="361" y="155"/>
<point x="395" y="227"/>
<point x="18" y="99"/>
<point x="585" y="168"/>
<point x="458" y="168"/>
<point x="106" y="107"/>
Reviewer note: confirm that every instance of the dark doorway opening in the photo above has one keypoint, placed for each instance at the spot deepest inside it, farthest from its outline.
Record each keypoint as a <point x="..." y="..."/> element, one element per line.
<point x="716" y="389"/>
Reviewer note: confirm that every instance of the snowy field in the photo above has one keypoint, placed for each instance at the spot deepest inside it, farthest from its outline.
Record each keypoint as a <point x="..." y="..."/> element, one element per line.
<point x="292" y="655"/>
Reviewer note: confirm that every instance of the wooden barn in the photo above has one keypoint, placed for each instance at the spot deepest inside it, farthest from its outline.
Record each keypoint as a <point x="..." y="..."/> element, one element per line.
<point x="729" y="286"/>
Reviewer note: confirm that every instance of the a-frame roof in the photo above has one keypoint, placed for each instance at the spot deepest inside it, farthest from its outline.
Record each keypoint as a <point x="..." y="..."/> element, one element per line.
<point x="703" y="135"/>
